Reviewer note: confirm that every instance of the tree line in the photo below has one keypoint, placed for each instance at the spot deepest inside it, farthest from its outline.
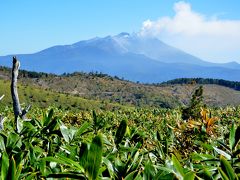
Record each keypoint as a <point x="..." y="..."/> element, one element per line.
<point x="231" y="84"/>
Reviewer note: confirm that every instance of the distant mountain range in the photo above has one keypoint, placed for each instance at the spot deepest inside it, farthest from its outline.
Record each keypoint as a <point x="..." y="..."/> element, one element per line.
<point x="131" y="57"/>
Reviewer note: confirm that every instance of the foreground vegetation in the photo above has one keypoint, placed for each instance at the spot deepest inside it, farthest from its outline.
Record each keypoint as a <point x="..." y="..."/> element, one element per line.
<point x="192" y="142"/>
<point x="124" y="144"/>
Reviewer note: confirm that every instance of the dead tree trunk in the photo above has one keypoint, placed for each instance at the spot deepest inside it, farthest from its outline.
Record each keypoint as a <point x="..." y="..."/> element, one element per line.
<point x="18" y="112"/>
<point x="16" y="104"/>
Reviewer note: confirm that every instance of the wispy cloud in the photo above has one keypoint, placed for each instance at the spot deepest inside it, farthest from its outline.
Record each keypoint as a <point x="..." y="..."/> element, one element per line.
<point x="208" y="37"/>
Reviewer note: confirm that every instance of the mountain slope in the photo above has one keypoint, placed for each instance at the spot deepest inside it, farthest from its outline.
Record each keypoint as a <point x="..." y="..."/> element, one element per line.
<point x="43" y="98"/>
<point x="108" y="89"/>
<point x="130" y="57"/>
<point x="155" y="49"/>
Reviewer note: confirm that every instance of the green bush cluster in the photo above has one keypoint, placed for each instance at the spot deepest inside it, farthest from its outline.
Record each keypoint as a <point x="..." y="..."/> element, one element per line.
<point x="121" y="144"/>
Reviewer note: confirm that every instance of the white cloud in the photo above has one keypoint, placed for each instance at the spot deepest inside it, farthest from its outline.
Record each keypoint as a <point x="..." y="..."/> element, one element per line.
<point x="210" y="38"/>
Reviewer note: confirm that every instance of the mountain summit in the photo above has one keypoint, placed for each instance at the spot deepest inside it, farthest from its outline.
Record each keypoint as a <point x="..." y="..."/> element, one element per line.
<point x="155" y="49"/>
<point x="130" y="56"/>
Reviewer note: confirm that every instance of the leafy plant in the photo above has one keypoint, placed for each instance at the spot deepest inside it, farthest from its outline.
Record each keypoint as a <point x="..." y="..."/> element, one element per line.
<point x="130" y="144"/>
<point x="121" y="131"/>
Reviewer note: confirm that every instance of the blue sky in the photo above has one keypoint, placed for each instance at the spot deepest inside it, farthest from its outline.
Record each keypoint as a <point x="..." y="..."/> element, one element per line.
<point x="28" y="26"/>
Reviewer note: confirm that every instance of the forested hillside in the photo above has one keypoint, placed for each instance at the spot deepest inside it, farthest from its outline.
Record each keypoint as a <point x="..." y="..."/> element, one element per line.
<point x="104" y="88"/>
<point x="231" y="84"/>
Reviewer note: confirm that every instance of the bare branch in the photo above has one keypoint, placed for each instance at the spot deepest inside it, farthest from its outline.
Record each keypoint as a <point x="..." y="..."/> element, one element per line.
<point x="25" y="111"/>
<point x="2" y="97"/>
<point x="2" y="119"/>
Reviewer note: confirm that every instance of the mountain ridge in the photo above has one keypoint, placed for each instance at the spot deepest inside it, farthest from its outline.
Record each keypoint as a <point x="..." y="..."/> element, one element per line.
<point x="126" y="56"/>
